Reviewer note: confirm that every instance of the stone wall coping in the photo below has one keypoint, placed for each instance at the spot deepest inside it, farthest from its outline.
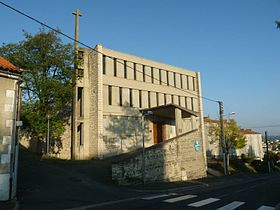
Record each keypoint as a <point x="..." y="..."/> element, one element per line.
<point x="127" y="156"/>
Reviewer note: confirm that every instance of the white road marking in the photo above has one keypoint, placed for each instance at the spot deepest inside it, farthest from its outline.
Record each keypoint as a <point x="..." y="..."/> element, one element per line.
<point x="204" y="202"/>
<point x="266" y="208"/>
<point x="231" y="206"/>
<point x="158" y="196"/>
<point x="181" y="198"/>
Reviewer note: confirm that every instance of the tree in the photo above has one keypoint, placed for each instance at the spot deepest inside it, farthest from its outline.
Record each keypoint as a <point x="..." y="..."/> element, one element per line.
<point x="47" y="81"/>
<point x="234" y="139"/>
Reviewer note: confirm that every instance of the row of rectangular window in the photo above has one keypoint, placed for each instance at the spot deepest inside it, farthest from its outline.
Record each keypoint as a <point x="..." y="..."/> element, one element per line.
<point x="144" y="75"/>
<point x="140" y="97"/>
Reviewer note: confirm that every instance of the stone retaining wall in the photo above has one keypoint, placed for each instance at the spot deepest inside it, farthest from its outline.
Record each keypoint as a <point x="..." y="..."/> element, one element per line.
<point x="173" y="160"/>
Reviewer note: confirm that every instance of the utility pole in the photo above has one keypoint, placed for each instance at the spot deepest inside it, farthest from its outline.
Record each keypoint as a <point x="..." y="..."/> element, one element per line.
<point x="77" y="14"/>
<point x="223" y="141"/>
<point x="267" y="153"/>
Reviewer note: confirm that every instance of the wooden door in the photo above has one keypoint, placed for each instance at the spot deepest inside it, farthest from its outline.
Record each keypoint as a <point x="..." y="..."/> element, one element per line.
<point x="155" y="133"/>
<point x="159" y="132"/>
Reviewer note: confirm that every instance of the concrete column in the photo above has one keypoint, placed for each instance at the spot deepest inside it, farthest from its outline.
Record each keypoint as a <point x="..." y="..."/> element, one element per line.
<point x="201" y="116"/>
<point x="193" y="122"/>
<point x="85" y="148"/>
<point x="178" y="121"/>
<point x="99" y="48"/>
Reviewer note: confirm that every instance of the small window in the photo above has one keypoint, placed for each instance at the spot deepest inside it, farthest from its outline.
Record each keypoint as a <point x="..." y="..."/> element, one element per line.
<point x="130" y="97"/>
<point x="149" y="99"/>
<point x="174" y="76"/>
<point x="144" y="74"/>
<point x="80" y="134"/>
<point x="167" y="78"/>
<point x="104" y="64"/>
<point x="179" y="99"/>
<point x="80" y="73"/>
<point x="160" y="76"/>
<point x="152" y="74"/>
<point x="194" y="83"/>
<point x="80" y="98"/>
<point x="134" y="70"/>
<point x="164" y="99"/>
<point x="125" y="69"/>
<point x="110" y="95"/>
<point x="188" y="85"/>
<point x="181" y="80"/>
<point x="115" y="67"/>
<point x="120" y="94"/>
<point x="172" y="99"/>
<point x="80" y="55"/>
<point x="157" y="98"/>
<point x="186" y="102"/>
<point x="192" y="105"/>
<point x="140" y="99"/>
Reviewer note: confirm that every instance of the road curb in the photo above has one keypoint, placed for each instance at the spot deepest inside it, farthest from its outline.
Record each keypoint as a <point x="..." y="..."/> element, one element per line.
<point x="197" y="185"/>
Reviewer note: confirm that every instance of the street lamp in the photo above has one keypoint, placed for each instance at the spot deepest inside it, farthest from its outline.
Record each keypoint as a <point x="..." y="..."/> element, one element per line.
<point x="231" y="113"/>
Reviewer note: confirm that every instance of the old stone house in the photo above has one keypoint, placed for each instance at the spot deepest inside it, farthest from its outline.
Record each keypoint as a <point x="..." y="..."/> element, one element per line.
<point x="9" y="107"/>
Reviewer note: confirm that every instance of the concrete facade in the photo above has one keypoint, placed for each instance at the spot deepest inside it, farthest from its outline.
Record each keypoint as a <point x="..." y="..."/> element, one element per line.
<point x="254" y="146"/>
<point x="9" y="92"/>
<point x="173" y="160"/>
<point x="112" y="89"/>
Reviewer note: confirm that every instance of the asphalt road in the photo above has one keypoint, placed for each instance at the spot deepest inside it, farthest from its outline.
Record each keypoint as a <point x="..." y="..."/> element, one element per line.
<point x="45" y="185"/>
<point x="83" y="185"/>
<point x="256" y="193"/>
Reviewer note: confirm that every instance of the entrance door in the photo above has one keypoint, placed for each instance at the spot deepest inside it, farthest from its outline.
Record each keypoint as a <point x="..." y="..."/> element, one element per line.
<point x="159" y="132"/>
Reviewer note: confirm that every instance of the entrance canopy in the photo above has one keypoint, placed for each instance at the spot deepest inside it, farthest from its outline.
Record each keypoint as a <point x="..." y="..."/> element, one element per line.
<point x="168" y="111"/>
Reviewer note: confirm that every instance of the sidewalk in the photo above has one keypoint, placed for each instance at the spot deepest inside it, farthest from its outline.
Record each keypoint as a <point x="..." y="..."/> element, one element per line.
<point x="208" y="182"/>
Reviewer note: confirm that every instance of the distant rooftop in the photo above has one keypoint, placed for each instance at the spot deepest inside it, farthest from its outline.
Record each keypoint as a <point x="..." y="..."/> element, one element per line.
<point x="8" y="66"/>
<point x="248" y="131"/>
<point x="208" y="120"/>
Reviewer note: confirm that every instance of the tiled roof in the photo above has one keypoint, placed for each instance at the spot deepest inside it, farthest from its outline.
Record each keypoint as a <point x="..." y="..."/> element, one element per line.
<point x="248" y="131"/>
<point x="8" y="66"/>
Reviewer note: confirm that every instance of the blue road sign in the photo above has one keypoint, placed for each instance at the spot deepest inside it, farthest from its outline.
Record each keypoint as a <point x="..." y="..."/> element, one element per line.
<point x="197" y="145"/>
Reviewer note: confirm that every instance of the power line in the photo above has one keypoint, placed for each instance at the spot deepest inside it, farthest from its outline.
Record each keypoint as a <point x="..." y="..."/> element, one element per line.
<point x="71" y="38"/>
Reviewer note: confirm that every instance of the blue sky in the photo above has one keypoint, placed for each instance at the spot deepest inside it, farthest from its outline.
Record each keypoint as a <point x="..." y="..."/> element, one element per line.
<point x="233" y="43"/>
